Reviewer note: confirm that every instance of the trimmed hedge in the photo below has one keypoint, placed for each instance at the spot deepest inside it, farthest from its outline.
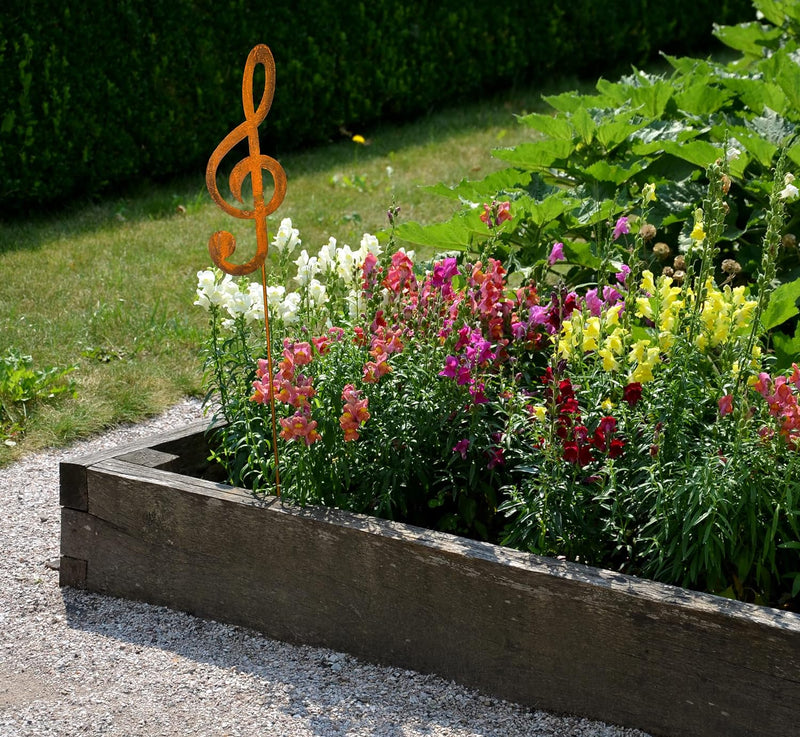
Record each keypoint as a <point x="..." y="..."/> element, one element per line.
<point x="94" y="94"/>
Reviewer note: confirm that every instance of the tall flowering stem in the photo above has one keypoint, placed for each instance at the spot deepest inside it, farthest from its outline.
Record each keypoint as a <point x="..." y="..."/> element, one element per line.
<point x="709" y="223"/>
<point x="769" y="254"/>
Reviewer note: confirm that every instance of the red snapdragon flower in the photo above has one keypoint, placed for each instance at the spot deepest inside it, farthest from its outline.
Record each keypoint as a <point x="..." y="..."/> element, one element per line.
<point x="632" y="393"/>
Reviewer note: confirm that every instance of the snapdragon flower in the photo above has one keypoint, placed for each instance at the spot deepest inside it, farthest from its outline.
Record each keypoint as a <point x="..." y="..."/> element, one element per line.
<point x="326" y="257"/>
<point x="317" y="292"/>
<point x="369" y="244"/>
<point x="213" y="291"/>
<point x="290" y="308"/>
<point x="287" y="238"/>
<point x="307" y="268"/>
<point x="347" y="264"/>
<point x="789" y="191"/>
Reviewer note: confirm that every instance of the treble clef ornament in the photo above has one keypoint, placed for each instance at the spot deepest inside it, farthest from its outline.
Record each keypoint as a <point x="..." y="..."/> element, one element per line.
<point x="222" y="244"/>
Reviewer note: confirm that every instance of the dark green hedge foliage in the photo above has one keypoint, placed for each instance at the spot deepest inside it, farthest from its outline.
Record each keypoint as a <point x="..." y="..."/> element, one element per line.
<point x="96" y="93"/>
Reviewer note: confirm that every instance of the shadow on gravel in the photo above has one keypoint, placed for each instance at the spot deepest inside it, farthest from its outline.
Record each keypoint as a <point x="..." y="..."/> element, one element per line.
<point x="332" y="693"/>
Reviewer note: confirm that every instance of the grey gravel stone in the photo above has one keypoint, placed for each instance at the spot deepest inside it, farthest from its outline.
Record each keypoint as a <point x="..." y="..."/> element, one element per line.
<point x="75" y="663"/>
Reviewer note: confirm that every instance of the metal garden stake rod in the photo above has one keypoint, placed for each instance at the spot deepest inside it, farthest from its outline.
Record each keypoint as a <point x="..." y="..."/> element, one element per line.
<point x="222" y="244"/>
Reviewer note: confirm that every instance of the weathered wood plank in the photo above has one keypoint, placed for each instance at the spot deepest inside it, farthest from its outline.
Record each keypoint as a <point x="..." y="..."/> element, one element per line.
<point x="72" y="472"/>
<point x="72" y="572"/>
<point x="541" y="632"/>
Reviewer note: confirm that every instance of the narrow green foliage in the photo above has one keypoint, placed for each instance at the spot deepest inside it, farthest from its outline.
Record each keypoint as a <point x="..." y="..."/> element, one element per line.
<point x="22" y="387"/>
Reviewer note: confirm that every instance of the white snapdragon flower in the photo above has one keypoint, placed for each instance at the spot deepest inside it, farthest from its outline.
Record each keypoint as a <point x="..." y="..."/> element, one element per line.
<point x="238" y="303"/>
<point x="355" y="303"/>
<point x="346" y="264"/>
<point x="790" y="191"/>
<point x="307" y="268"/>
<point x="227" y="294"/>
<point x="290" y="308"/>
<point x="206" y="284"/>
<point x="210" y="291"/>
<point x="256" y="310"/>
<point x="733" y="152"/>
<point x="369" y="244"/>
<point x="326" y="258"/>
<point x="287" y="238"/>
<point x="317" y="292"/>
<point x="275" y="296"/>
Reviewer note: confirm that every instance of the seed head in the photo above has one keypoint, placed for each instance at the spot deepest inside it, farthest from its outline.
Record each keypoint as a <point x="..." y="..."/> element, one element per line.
<point x="679" y="276"/>
<point x="789" y="241"/>
<point x="648" y="232"/>
<point x="679" y="264"/>
<point x="661" y="250"/>
<point x="729" y="266"/>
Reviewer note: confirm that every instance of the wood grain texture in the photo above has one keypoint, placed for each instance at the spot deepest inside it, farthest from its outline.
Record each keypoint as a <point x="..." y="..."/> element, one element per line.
<point x="550" y="634"/>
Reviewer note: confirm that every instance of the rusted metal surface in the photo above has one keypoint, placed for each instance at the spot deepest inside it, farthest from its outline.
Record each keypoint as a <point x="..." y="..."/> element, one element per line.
<point x="222" y="244"/>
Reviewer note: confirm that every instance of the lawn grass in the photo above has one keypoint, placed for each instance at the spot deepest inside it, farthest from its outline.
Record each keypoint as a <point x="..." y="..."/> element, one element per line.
<point x="108" y="286"/>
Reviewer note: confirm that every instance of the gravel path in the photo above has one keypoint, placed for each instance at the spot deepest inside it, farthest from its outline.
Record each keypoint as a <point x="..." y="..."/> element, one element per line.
<point x="74" y="663"/>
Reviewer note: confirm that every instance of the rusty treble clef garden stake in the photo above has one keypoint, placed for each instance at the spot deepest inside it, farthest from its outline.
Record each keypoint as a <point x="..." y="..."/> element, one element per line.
<point x="222" y="244"/>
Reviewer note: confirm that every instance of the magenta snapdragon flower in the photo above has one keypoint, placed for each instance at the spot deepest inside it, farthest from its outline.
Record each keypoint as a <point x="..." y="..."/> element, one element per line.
<point x="621" y="228"/>
<point x="556" y="254"/>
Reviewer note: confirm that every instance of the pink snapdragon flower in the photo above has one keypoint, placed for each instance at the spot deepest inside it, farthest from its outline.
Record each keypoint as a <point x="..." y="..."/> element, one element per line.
<point x="621" y="228"/>
<point x="556" y="254"/>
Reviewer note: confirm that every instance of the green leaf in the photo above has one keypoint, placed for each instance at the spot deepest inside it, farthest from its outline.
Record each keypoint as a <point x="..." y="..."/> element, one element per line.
<point x="458" y="234"/>
<point x="689" y="67"/>
<point x="590" y="212"/>
<point x="503" y="181"/>
<point x="782" y="305"/>
<point x="787" y="75"/>
<point x="677" y="200"/>
<point x="653" y="98"/>
<point x="665" y="130"/>
<point x="539" y="155"/>
<point x="701" y="98"/>
<point x="618" y="93"/>
<point x="610" y="135"/>
<point x="605" y="172"/>
<point x="548" y="210"/>
<point x="699" y="153"/>
<point x="580" y="252"/>
<point x="756" y="93"/>
<point x="749" y="38"/>
<point x="583" y="124"/>
<point x="566" y="102"/>
<point x="774" y="12"/>
<point x="787" y="348"/>
<point x="552" y="126"/>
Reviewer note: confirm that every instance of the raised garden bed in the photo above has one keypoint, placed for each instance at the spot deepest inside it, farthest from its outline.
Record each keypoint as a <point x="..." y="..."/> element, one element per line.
<point x="149" y="522"/>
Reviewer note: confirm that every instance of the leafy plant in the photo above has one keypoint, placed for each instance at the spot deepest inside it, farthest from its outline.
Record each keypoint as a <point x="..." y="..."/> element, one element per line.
<point x="595" y="155"/>
<point x="22" y="386"/>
